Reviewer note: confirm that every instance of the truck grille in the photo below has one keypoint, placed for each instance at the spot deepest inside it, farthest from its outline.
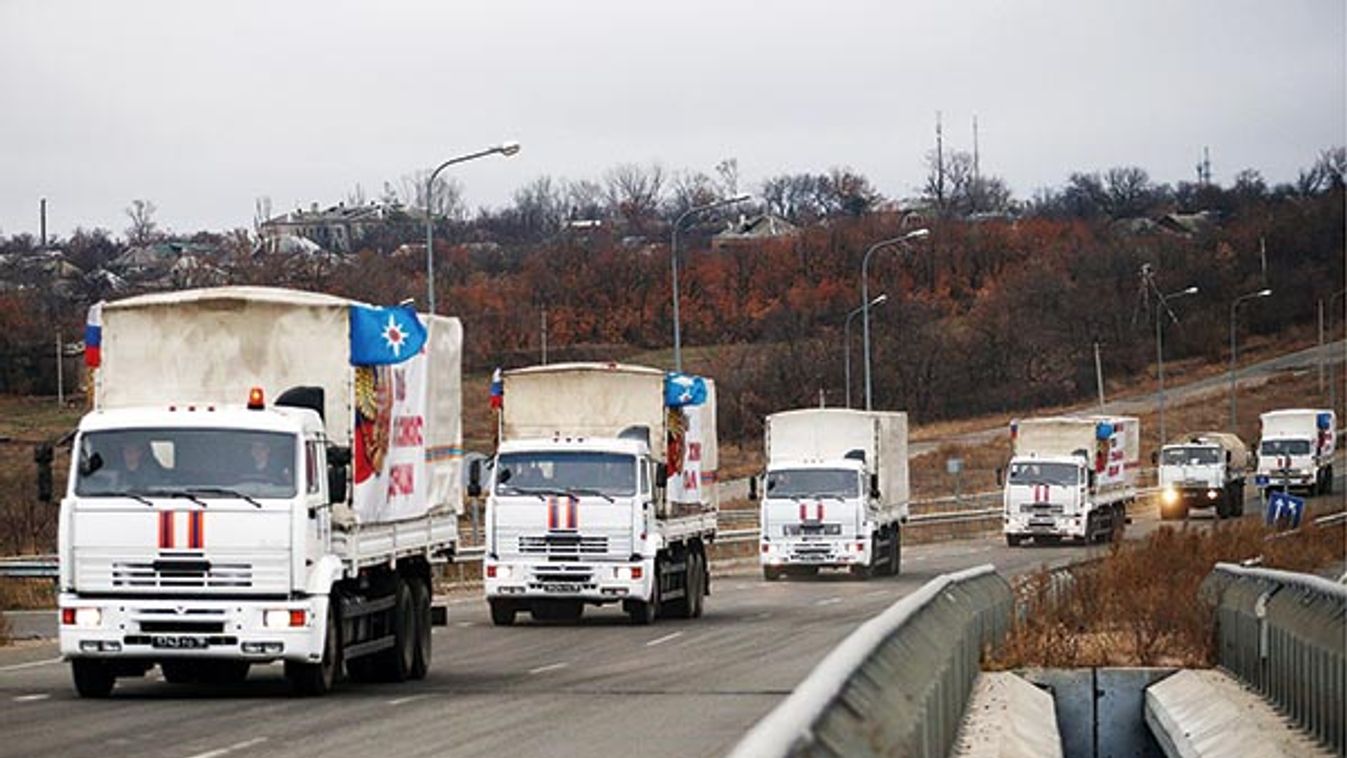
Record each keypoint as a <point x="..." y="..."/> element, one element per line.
<point x="1041" y="509"/>
<point x="796" y="530"/>
<point x="566" y="545"/>
<point x="182" y="573"/>
<point x="563" y="544"/>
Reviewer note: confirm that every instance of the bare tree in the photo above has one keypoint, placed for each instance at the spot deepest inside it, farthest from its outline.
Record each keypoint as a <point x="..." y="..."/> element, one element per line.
<point x="689" y="189"/>
<point x="635" y="191"/>
<point x="144" y="229"/>
<point x="539" y="207"/>
<point x="728" y="172"/>
<point x="448" y="195"/>
<point x="585" y="200"/>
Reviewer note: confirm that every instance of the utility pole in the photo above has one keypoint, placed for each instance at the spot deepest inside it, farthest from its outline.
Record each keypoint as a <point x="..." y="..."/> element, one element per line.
<point x="544" y="333"/>
<point x="1099" y="375"/>
<point x="939" y="165"/>
<point x="976" y="169"/>
<point x="1321" y="347"/>
<point x="43" y="213"/>
<point x="60" y="369"/>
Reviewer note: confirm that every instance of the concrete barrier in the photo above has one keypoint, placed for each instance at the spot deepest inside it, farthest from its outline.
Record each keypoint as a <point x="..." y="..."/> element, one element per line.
<point x="1208" y="714"/>
<point x="1007" y="717"/>
<point x="899" y="683"/>
<point x="1282" y="634"/>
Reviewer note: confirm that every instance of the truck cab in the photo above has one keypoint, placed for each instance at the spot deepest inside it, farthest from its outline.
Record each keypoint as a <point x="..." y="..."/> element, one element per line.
<point x="815" y="514"/>
<point x="183" y="533"/>
<point x="1296" y="450"/>
<point x="570" y="521"/>
<point x="1047" y="497"/>
<point x="1199" y="474"/>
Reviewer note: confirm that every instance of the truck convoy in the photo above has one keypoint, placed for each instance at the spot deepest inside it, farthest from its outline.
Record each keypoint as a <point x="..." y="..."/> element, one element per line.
<point x="1206" y="471"/>
<point x="1070" y="477"/>
<point x="1296" y="450"/>
<point x="207" y="524"/>
<point x="602" y="491"/>
<point x="835" y="493"/>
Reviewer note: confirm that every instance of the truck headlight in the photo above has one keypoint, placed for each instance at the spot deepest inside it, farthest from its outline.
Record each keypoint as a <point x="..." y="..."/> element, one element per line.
<point x="1170" y="496"/>
<point x="88" y="618"/>
<point x="1212" y="494"/>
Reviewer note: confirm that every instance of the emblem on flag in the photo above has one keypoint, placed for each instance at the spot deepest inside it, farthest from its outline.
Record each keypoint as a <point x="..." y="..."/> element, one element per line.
<point x="382" y="336"/>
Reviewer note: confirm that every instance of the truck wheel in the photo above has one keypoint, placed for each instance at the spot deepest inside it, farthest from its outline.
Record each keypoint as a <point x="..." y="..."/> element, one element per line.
<point x="502" y="612"/>
<point x="1328" y="480"/>
<point x="397" y="661"/>
<point x="421" y="650"/>
<point x="1013" y="540"/>
<point x="696" y="585"/>
<point x="897" y="567"/>
<point x="862" y="571"/>
<point x="644" y="612"/>
<point x="93" y="679"/>
<point x="771" y="573"/>
<point x="308" y="679"/>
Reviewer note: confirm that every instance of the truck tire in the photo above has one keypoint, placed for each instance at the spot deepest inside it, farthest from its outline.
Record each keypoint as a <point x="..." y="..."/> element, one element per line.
<point x="502" y="612"/>
<point x="397" y="661"/>
<point x="93" y="678"/>
<point x="644" y="612"/>
<point x="311" y="679"/>
<point x="696" y="585"/>
<point x="771" y="573"/>
<point x="422" y="650"/>
<point x="897" y="550"/>
<point x="1014" y="540"/>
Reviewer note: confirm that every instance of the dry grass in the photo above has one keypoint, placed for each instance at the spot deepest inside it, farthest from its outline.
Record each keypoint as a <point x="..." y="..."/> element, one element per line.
<point x="1140" y="605"/>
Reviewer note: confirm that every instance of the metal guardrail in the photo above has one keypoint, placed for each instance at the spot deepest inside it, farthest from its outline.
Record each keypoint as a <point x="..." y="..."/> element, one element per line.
<point x="898" y="685"/>
<point x="1282" y="633"/>
<point x="29" y="567"/>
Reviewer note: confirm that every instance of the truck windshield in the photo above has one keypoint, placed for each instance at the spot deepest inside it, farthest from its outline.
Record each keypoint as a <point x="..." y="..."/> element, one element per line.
<point x="1285" y="447"/>
<point x="1058" y="474"/>
<point x="1191" y="456"/>
<point x="578" y="473"/>
<point x="813" y="482"/>
<point x="203" y="463"/>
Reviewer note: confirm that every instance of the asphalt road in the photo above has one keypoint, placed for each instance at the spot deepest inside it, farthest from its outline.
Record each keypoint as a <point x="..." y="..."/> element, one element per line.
<point x="599" y="688"/>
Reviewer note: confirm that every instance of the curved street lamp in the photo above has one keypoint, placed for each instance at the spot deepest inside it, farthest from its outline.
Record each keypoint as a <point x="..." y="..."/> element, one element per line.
<point x="865" y="296"/>
<point x="673" y="262"/>
<point x="505" y="148"/>
<point x="1160" y="312"/>
<point x="1233" y="347"/>
<point x="847" y="331"/>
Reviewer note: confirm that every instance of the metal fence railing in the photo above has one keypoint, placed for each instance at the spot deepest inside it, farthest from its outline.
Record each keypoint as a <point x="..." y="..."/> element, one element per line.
<point x="1283" y="634"/>
<point x="898" y="685"/>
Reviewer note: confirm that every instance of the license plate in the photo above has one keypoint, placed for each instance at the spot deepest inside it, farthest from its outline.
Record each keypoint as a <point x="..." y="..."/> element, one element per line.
<point x="178" y="642"/>
<point x="562" y="588"/>
<point x="1261" y="480"/>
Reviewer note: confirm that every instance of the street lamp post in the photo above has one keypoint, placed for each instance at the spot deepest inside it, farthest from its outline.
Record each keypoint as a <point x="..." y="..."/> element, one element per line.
<point x="1332" y="388"/>
<point x="1161" y="311"/>
<point x="506" y="149"/>
<point x="847" y="339"/>
<point x="673" y="262"/>
<point x="1234" y="306"/>
<point x="865" y="299"/>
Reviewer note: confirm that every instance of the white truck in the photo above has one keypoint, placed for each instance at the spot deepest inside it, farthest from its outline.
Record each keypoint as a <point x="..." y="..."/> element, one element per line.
<point x="1207" y="470"/>
<point x="1296" y="450"/>
<point x="835" y="493"/>
<point x="207" y="524"/>
<point x="602" y="490"/>
<point x="1070" y="477"/>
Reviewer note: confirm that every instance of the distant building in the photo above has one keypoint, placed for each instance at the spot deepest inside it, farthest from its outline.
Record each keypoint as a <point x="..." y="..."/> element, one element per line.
<point x="338" y="229"/>
<point x="756" y="229"/>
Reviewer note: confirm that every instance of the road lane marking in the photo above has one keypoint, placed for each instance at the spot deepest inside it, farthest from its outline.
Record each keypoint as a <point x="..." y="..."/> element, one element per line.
<point x="829" y="601"/>
<point x="464" y="624"/>
<point x="408" y="699"/>
<point x="548" y="667"/>
<point x="31" y="698"/>
<point x="29" y="665"/>
<point x="664" y="639"/>
<point x="216" y="753"/>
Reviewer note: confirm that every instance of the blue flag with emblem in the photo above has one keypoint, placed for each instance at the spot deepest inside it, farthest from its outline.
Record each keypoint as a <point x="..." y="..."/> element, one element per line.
<point x="380" y="336"/>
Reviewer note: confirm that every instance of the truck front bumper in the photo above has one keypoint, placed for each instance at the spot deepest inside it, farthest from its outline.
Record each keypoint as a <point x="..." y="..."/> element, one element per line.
<point x="814" y="551"/>
<point x="161" y="629"/>
<point x="1069" y="526"/>
<point x="592" y="582"/>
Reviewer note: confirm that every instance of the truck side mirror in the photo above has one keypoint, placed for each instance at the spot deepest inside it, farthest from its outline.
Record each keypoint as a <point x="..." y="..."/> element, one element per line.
<point x="339" y="455"/>
<point x="1155" y="457"/>
<point x="1228" y="457"/>
<point x="661" y="475"/>
<point x="1000" y="476"/>
<point x="336" y="482"/>
<point x="753" y="488"/>
<point x="42" y="456"/>
<point x="874" y="485"/>
<point x="1090" y="479"/>
<point x="475" y="478"/>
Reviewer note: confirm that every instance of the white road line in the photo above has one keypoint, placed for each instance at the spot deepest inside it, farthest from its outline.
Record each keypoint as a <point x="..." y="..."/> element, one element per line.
<point x="227" y="750"/>
<point x="921" y="557"/>
<point x="464" y="624"/>
<point x="31" y="698"/>
<point x="548" y="667"/>
<point x="408" y="699"/>
<point x="829" y="601"/>
<point x="664" y="639"/>
<point x="29" y="665"/>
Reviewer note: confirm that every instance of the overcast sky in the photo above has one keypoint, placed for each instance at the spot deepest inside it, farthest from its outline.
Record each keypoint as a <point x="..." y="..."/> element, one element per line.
<point x="204" y="107"/>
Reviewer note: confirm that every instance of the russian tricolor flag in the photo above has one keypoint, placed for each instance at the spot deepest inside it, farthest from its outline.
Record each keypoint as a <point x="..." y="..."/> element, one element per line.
<point x="93" y="336"/>
<point x="497" y="389"/>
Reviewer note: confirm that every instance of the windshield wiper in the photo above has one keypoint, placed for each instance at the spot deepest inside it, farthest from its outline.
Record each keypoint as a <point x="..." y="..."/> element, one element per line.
<point x="572" y="492"/>
<point x="541" y="492"/>
<point x="219" y="491"/>
<point x="132" y="495"/>
<point x="177" y="494"/>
